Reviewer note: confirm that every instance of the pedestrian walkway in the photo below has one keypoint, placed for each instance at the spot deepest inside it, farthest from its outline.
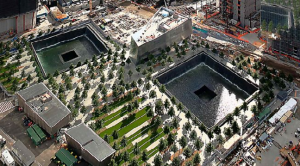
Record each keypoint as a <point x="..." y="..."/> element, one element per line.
<point x="5" y="106"/>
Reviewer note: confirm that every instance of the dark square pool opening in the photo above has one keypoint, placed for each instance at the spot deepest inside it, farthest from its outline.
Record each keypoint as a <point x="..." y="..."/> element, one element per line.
<point x="69" y="56"/>
<point x="207" y="88"/>
<point x="205" y="94"/>
<point x="58" y="51"/>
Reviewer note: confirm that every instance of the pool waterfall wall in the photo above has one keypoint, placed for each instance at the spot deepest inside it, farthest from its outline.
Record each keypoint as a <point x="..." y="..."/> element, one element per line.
<point x="229" y="74"/>
<point x="87" y="30"/>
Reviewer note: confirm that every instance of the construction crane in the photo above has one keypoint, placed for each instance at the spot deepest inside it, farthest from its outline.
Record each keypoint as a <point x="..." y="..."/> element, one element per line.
<point x="91" y="14"/>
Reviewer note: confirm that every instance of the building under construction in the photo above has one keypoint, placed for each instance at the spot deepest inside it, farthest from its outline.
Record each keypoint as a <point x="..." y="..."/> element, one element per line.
<point x="163" y="29"/>
<point x="287" y="43"/>
<point x="17" y="16"/>
<point x="241" y="11"/>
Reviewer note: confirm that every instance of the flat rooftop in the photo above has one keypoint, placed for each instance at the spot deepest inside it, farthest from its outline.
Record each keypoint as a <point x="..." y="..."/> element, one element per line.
<point x="23" y="153"/>
<point x="45" y="104"/>
<point x="163" y="21"/>
<point x="90" y="141"/>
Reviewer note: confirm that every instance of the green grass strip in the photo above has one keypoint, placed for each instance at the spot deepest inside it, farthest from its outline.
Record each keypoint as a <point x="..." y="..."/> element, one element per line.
<point x="148" y="141"/>
<point x="125" y="123"/>
<point x="120" y="102"/>
<point x="112" y="117"/>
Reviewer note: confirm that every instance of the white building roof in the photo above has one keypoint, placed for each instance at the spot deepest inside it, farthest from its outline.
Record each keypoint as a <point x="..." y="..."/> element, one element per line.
<point x="288" y="106"/>
<point x="7" y="157"/>
<point x="151" y="30"/>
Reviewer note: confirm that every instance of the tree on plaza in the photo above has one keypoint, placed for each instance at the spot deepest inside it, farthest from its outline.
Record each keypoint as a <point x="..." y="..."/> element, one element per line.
<point x="152" y="94"/>
<point x="210" y="134"/>
<point x="196" y="159"/>
<point x="220" y="139"/>
<point x="115" y="134"/>
<point x="228" y="132"/>
<point x="170" y="139"/>
<point x="202" y="128"/>
<point x="229" y="118"/>
<point x="180" y="106"/>
<point x="149" y="77"/>
<point x="144" y="156"/>
<point x="207" y="46"/>
<point x="166" y="129"/>
<point x="209" y="148"/>
<point x="128" y="61"/>
<point x="198" y="144"/>
<point x="29" y="78"/>
<point x="235" y="127"/>
<point x="171" y="112"/>
<point x="187" y="152"/>
<point x="158" y="160"/>
<point x="83" y="109"/>
<point x="173" y="100"/>
<point x="182" y="142"/>
<point x="162" y="89"/>
<point x="188" y="126"/>
<point x="162" y="145"/>
<point x="193" y="48"/>
<point x="123" y="142"/>
<point x="159" y="107"/>
<point x="236" y="112"/>
<point x="188" y="115"/>
<point x="175" y="123"/>
<point x="130" y="73"/>
<point x="133" y="162"/>
<point x="176" y="161"/>
<point x="217" y="130"/>
<point x="136" y="149"/>
<point x="193" y="135"/>
<point x="245" y="106"/>
<point x="140" y="81"/>
<point x="99" y="124"/>
<point x="254" y="110"/>
<point x="126" y="156"/>
<point x="169" y="59"/>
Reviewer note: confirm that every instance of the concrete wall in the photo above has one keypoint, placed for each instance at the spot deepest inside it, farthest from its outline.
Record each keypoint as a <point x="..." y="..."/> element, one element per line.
<point x="18" y="23"/>
<point x="175" y="35"/>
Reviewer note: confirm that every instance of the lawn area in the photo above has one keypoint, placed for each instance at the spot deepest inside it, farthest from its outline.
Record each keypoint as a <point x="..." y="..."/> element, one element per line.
<point x="129" y="123"/>
<point x="150" y="153"/>
<point x="148" y="141"/>
<point x="139" y="133"/>
<point x="112" y="117"/>
<point x="120" y="102"/>
<point x="8" y="67"/>
<point x="133" y="125"/>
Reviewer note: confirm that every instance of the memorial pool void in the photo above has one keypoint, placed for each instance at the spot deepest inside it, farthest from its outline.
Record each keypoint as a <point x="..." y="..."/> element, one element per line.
<point x="59" y="50"/>
<point x="207" y="88"/>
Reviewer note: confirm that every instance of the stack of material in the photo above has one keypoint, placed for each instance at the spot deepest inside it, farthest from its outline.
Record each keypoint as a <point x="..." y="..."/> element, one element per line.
<point x="58" y="15"/>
